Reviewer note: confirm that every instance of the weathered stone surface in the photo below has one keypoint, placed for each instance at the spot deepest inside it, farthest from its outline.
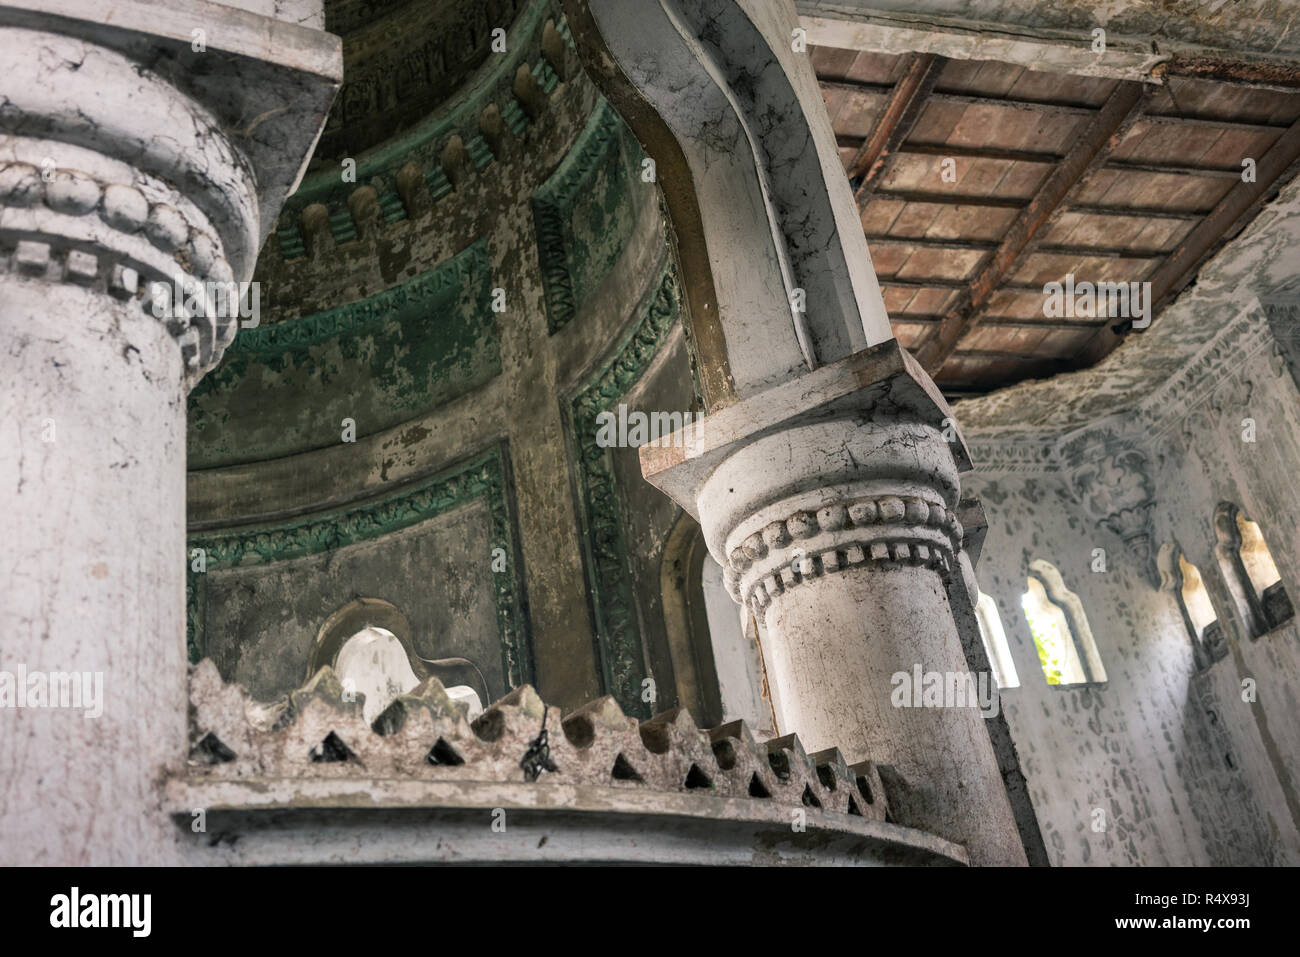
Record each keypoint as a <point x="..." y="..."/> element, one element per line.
<point x="1180" y="766"/>
<point x="312" y="758"/>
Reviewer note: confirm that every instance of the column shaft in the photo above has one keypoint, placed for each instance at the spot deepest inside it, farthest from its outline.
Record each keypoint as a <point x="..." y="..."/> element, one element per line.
<point x="93" y="420"/>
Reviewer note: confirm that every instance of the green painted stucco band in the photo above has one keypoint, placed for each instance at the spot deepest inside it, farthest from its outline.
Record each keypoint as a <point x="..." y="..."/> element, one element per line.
<point x="622" y="655"/>
<point x="583" y="213"/>
<point x="485" y="476"/>
<point x="286" y="388"/>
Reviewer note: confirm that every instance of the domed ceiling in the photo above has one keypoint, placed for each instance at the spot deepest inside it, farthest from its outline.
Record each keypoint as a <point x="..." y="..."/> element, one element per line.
<point x="401" y="60"/>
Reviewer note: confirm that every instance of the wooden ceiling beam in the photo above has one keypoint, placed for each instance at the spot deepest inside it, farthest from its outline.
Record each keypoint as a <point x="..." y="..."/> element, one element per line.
<point x="999" y="322"/>
<point x="1275" y="168"/>
<point x="1214" y="123"/>
<point x="903" y="109"/>
<point x="1210" y="172"/>
<point x="1099" y="252"/>
<point x="923" y="283"/>
<point x="1076" y="109"/>
<point x="986" y="246"/>
<point x="1101" y="136"/>
<point x="1266" y="75"/>
<point x="1006" y="354"/>
<point x="979" y="152"/>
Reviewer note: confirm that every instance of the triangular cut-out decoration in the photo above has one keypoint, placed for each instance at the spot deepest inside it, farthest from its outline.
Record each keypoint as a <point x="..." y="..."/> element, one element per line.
<point x="853" y="807"/>
<point x="211" y="750"/>
<point x="809" y="799"/>
<point x="695" y="778"/>
<point x="331" y="751"/>
<point x="865" y="787"/>
<point x="756" y="787"/>
<point x="623" y="771"/>
<point x="780" y="764"/>
<point x="390" y="720"/>
<point x="444" y="754"/>
<point x="827" y="777"/>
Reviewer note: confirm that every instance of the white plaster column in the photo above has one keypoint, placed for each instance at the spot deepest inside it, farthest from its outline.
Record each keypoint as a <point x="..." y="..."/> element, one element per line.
<point x="114" y="177"/>
<point x="821" y="476"/>
<point x="830" y="502"/>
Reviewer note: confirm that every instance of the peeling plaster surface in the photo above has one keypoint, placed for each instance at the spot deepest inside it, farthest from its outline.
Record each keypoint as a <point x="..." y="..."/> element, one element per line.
<point x="1203" y="408"/>
<point x="1172" y="765"/>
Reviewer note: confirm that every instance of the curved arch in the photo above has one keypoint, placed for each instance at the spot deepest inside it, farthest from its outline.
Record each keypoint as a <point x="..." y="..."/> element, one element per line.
<point x="374" y="663"/>
<point x="996" y="645"/>
<point x="717" y="664"/>
<point x="718" y="98"/>
<point x="686" y="621"/>
<point x="355" y="616"/>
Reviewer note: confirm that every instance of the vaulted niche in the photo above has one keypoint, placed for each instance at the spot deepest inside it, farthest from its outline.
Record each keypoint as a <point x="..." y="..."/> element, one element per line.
<point x="368" y="643"/>
<point x="717" y="663"/>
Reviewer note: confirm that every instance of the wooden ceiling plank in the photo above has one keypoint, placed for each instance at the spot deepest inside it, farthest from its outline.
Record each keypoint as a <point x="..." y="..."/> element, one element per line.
<point x="952" y="245"/>
<point x="940" y="198"/>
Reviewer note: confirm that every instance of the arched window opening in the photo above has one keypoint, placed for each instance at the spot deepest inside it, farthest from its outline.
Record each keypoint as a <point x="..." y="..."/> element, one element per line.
<point x="1183" y="579"/>
<point x="1066" y="650"/>
<point x="736" y="654"/>
<point x="1256" y="557"/>
<point x="373" y="663"/>
<point x="996" y="646"/>
<point x="1250" y="572"/>
<point x="716" y="659"/>
<point x="368" y="643"/>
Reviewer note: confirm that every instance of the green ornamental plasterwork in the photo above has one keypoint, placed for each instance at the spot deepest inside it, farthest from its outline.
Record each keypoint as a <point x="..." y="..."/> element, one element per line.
<point x="486" y="476"/>
<point x="285" y="388"/>
<point x="423" y="144"/>
<point x="609" y="575"/>
<point x="583" y="213"/>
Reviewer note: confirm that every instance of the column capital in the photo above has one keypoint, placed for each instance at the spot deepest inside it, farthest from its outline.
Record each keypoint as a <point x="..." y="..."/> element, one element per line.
<point x="855" y="462"/>
<point x="182" y="185"/>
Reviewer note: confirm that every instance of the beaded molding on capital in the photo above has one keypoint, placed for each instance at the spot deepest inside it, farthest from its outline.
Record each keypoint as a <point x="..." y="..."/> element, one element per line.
<point x="117" y="204"/>
<point x="318" y="732"/>
<point x="809" y="544"/>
